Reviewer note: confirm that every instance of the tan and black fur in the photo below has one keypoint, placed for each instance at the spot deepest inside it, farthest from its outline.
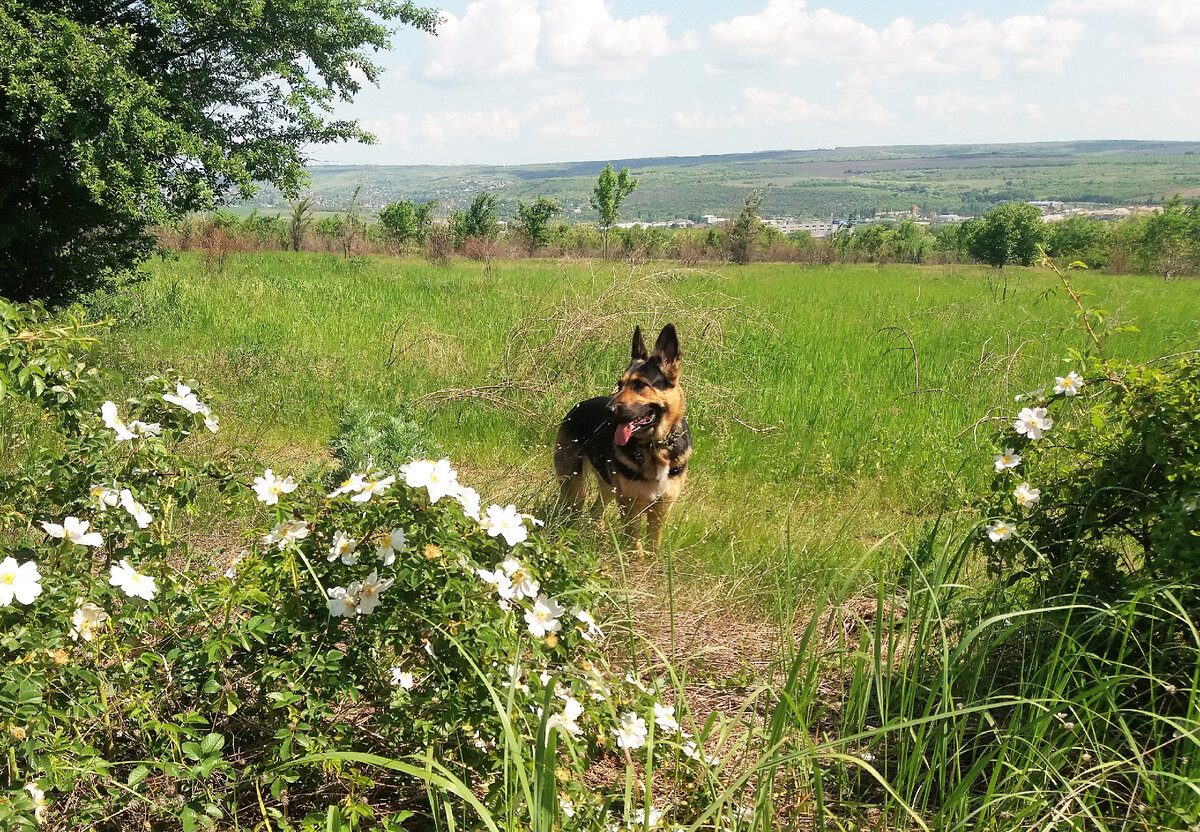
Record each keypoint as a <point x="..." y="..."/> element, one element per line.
<point x="646" y="472"/>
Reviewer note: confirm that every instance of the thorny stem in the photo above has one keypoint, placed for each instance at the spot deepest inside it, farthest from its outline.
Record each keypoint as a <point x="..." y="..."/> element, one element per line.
<point x="1083" y="315"/>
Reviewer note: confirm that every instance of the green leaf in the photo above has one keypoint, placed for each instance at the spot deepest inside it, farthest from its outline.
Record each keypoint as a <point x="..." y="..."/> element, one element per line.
<point x="137" y="775"/>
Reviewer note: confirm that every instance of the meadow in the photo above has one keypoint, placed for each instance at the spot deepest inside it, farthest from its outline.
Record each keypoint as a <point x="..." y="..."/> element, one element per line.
<point x="836" y="410"/>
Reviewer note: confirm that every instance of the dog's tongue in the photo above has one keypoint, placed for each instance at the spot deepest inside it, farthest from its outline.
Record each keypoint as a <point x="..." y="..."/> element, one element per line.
<point x="624" y="431"/>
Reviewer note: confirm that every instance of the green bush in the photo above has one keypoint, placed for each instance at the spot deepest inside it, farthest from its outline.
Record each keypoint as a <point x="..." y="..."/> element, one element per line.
<point x="368" y="437"/>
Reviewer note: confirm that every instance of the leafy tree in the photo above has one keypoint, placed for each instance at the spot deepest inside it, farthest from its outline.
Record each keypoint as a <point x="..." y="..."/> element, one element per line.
<point x="745" y="230"/>
<point x="611" y="190"/>
<point x="300" y="220"/>
<point x="872" y="243"/>
<point x="1080" y="239"/>
<point x="119" y="116"/>
<point x="909" y="242"/>
<point x="480" y="219"/>
<point x="1004" y="235"/>
<point x="1170" y="239"/>
<point x="407" y="224"/>
<point x="534" y="221"/>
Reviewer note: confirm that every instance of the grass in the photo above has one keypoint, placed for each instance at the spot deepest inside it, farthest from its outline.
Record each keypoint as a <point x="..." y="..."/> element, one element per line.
<point x="832" y="407"/>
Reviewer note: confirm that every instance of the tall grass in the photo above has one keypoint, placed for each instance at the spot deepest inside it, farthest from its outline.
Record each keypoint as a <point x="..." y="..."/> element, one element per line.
<point x="831" y="407"/>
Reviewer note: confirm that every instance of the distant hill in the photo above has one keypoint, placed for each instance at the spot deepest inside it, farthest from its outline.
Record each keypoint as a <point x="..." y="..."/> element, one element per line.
<point x="964" y="179"/>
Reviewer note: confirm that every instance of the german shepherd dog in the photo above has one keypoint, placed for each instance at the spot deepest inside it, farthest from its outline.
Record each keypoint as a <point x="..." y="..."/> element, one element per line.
<point x="636" y="442"/>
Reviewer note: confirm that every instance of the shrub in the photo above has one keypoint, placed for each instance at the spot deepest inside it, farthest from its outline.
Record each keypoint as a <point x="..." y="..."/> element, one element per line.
<point x="372" y="438"/>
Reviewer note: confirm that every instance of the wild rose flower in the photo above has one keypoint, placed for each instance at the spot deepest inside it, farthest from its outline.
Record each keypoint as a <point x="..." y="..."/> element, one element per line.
<point x="373" y="488"/>
<point x="86" y="619"/>
<point x="999" y="530"/>
<point x="1027" y="497"/>
<point x="694" y="752"/>
<point x="543" y="618"/>
<point x="19" y="581"/>
<point x="391" y="543"/>
<point x="1033" y="422"/>
<point x="568" y="720"/>
<point x="664" y="718"/>
<point x="368" y="592"/>
<point x="350" y="486"/>
<point x="521" y="582"/>
<point x="210" y="422"/>
<point x="40" y="804"/>
<point x="136" y="509"/>
<point x="402" y="678"/>
<point x="631" y="731"/>
<point x="1068" y="385"/>
<point x="592" y="630"/>
<point x="108" y="413"/>
<point x="505" y="521"/>
<point x="185" y="398"/>
<point x="103" y="497"/>
<point x="270" y="487"/>
<point x="343" y="547"/>
<point x="438" y="478"/>
<point x="75" y="530"/>
<point x="468" y="498"/>
<point x="285" y="532"/>
<point x="342" y="602"/>
<point x="1006" y="460"/>
<point x="497" y="580"/>
<point x="131" y="582"/>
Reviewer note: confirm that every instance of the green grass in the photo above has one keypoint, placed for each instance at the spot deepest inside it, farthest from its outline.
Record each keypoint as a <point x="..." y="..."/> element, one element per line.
<point x="814" y="441"/>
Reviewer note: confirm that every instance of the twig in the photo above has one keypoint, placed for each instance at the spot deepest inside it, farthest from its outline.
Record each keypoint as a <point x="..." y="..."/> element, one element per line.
<point x="1075" y="297"/>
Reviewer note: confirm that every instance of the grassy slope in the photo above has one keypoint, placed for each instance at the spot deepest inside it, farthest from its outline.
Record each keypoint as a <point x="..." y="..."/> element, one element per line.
<point x="811" y="442"/>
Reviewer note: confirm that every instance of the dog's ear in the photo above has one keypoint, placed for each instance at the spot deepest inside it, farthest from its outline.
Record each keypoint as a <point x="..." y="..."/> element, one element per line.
<point x="639" y="346"/>
<point x="666" y="350"/>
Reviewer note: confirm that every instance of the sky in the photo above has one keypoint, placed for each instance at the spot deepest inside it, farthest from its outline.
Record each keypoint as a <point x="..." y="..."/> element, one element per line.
<point x="540" y="81"/>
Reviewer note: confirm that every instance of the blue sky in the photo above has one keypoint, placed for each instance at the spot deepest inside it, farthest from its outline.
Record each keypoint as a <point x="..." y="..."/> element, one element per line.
<point x="525" y="81"/>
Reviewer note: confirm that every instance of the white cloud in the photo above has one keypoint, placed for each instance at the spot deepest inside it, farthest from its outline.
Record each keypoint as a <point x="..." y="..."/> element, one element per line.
<point x="762" y="108"/>
<point x="1162" y="31"/>
<point x="786" y="34"/>
<point x="564" y="114"/>
<point x="498" y="39"/>
<point x="955" y="104"/>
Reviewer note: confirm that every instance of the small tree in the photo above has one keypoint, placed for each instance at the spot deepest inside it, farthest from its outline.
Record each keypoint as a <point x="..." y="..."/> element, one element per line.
<point x="480" y="219"/>
<point x="300" y="220"/>
<point x="745" y="230"/>
<point x="1004" y="235"/>
<point x="611" y="190"/>
<point x="1170" y="239"/>
<point x="534" y="221"/>
<point x="406" y="225"/>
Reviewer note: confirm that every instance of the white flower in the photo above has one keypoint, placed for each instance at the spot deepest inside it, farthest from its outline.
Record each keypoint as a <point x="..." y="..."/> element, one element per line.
<point x="75" y="530"/>
<point x="543" y="618"/>
<point x="355" y="483"/>
<point x="343" y="547"/>
<point x="131" y="582"/>
<point x="86" y="619"/>
<point x="521" y="584"/>
<point x="497" y="580"/>
<point x="694" y="752"/>
<point x="136" y="509"/>
<point x="664" y="718"/>
<point x="185" y="398"/>
<point x="1033" y="422"/>
<point x="342" y="602"/>
<point x="210" y="422"/>
<point x="568" y="720"/>
<point x="568" y="808"/>
<point x="368" y="592"/>
<point x="373" y="488"/>
<point x="999" y="530"/>
<point x="402" y="678"/>
<point x="104" y="497"/>
<point x="270" y="488"/>
<point x="650" y="818"/>
<point x="631" y="731"/>
<point x="1008" y="459"/>
<point x="40" y="804"/>
<point x="20" y="581"/>
<point x="468" y="498"/>
<point x="231" y="570"/>
<point x="438" y="478"/>
<point x="505" y="521"/>
<point x="285" y="532"/>
<point x="592" y="629"/>
<point x="1070" y="385"/>
<point x="108" y="413"/>
<point x="391" y="543"/>
<point x="1027" y="497"/>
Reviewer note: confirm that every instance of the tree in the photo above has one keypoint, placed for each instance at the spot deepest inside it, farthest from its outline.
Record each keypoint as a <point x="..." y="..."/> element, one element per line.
<point x="611" y="190"/>
<point x="534" y="221"/>
<point x="1080" y="238"/>
<point x="1004" y="235"/>
<point x="745" y="230"/>
<point x="120" y="115"/>
<point x="406" y="224"/>
<point x="480" y="219"/>
<point x="300" y="220"/>
<point x="1170" y="239"/>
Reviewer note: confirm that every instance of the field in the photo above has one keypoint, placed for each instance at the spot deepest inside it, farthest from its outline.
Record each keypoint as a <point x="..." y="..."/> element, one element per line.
<point x="964" y="179"/>
<point x="835" y="410"/>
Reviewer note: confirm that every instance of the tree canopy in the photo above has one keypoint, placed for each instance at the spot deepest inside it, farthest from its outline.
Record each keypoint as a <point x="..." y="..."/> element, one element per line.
<point x="534" y="220"/>
<point x="119" y="115"/>
<point x="1004" y="235"/>
<point x="611" y="190"/>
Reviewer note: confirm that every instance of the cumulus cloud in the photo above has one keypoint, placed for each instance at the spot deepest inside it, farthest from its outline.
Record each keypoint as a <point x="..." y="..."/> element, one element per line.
<point x="786" y="33"/>
<point x="759" y="107"/>
<point x="1163" y="31"/>
<point x="955" y="103"/>
<point x="498" y="39"/>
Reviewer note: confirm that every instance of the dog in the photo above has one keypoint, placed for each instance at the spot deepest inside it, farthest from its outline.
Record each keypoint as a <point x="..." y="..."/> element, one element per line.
<point x="635" y="442"/>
